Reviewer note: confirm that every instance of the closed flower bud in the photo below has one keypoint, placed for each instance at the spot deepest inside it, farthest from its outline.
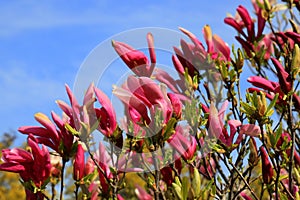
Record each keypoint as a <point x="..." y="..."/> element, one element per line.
<point x="267" y="169"/>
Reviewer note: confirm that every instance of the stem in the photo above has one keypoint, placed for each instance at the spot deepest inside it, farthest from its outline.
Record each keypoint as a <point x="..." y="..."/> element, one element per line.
<point x="277" y="179"/>
<point x="46" y="197"/>
<point x="291" y="162"/>
<point x="242" y="177"/>
<point x="62" y="178"/>
<point x="97" y="164"/>
<point x="76" y="191"/>
<point x="53" y="191"/>
<point x="157" y="175"/>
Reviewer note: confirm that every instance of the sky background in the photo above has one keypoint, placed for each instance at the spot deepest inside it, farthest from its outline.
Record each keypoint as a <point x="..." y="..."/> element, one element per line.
<point x="44" y="43"/>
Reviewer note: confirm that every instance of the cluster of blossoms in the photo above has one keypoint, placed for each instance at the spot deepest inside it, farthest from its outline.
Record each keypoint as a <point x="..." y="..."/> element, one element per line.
<point x="175" y="134"/>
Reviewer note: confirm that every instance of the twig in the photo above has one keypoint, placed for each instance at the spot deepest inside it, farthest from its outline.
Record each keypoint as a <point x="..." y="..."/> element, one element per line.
<point x="62" y="178"/>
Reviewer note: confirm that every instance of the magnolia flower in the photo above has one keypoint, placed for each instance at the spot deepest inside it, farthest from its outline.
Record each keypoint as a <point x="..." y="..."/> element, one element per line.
<point x="247" y="22"/>
<point x="286" y="181"/>
<point x="216" y="126"/>
<point x="32" y="166"/>
<point x="272" y="88"/>
<point x="53" y="135"/>
<point x="244" y="21"/>
<point x="267" y="169"/>
<point x="78" y="114"/>
<point x="193" y="56"/>
<point x="184" y="143"/>
<point x="137" y="60"/>
<point x="261" y="21"/>
<point x="142" y="94"/>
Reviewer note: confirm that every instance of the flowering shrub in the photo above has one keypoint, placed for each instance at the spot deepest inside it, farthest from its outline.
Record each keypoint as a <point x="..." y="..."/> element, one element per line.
<point x="202" y="135"/>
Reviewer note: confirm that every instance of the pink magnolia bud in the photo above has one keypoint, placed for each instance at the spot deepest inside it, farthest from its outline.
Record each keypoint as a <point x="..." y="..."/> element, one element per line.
<point x="232" y="22"/>
<point x="134" y="59"/>
<point x="283" y="76"/>
<point x="150" y="41"/>
<point x="262" y="83"/>
<point x="78" y="166"/>
<point x="177" y="64"/>
<point x="267" y="169"/>
<point x="247" y="21"/>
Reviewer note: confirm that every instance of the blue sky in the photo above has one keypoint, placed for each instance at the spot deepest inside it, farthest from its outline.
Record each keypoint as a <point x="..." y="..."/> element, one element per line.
<point x="43" y="43"/>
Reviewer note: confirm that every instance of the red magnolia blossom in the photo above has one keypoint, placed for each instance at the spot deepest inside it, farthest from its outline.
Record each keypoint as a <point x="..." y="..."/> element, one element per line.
<point x="137" y="60"/>
<point x="267" y="169"/>
<point x="285" y="80"/>
<point x="104" y="162"/>
<point x="76" y="113"/>
<point x="247" y="22"/>
<point x="217" y="128"/>
<point x="287" y="138"/>
<point x="282" y="87"/>
<point x="184" y="143"/>
<point x="194" y="56"/>
<point x="251" y="41"/>
<point x="287" y="39"/>
<point x="142" y="94"/>
<point x="103" y="118"/>
<point x="32" y="165"/>
<point x="53" y="135"/>
<point x="78" y="165"/>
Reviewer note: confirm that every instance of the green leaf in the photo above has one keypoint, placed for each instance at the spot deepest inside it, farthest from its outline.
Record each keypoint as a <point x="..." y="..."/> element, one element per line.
<point x="248" y="109"/>
<point x="196" y="183"/>
<point x="71" y="130"/>
<point x="177" y="190"/>
<point x="169" y="130"/>
<point x="271" y="105"/>
<point x="278" y="133"/>
<point x="185" y="187"/>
